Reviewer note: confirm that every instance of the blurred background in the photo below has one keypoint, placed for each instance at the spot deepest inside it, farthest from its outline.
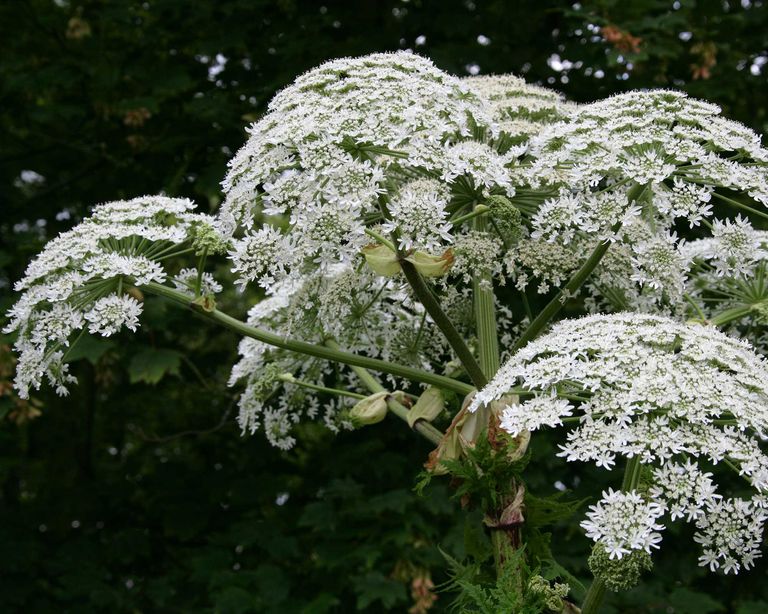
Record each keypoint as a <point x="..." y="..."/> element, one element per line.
<point x="138" y="493"/>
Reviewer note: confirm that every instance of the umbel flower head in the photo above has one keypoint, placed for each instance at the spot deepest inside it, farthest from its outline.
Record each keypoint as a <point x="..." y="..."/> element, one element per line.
<point x="680" y="399"/>
<point x="684" y="162"/>
<point x="76" y="282"/>
<point x="343" y="142"/>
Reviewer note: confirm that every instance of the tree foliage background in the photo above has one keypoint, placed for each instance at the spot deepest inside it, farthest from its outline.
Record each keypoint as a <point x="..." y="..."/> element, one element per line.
<point x="137" y="493"/>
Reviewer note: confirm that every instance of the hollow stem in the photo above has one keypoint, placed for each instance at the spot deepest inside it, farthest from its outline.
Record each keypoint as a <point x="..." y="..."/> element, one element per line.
<point x="485" y="314"/>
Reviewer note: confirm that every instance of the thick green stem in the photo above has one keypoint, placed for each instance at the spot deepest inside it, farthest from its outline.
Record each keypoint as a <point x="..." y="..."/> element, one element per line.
<point x="596" y="592"/>
<point x="575" y="283"/>
<point x="503" y="542"/>
<point x="309" y="349"/>
<point x="594" y="598"/>
<point x="485" y="315"/>
<point x="423" y="428"/>
<point x="441" y="320"/>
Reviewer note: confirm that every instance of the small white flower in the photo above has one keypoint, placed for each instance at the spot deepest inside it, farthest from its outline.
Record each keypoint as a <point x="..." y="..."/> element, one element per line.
<point x="109" y="314"/>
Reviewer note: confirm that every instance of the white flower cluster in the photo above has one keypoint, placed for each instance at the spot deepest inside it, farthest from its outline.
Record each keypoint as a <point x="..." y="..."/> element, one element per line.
<point x="519" y="108"/>
<point x="651" y="137"/>
<point x="76" y="281"/>
<point x="418" y="211"/>
<point x="647" y="387"/>
<point x="727" y="273"/>
<point x="623" y="522"/>
<point x="681" y="150"/>
<point x="186" y="281"/>
<point x="340" y="140"/>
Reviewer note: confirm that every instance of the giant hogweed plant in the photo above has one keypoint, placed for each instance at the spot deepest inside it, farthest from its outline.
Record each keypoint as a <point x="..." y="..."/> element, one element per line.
<point x="416" y="237"/>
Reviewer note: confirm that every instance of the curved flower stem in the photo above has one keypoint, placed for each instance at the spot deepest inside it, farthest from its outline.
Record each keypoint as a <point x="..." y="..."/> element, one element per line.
<point x="596" y="592"/>
<point x="422" y="427"/>
<point x="742" y="206"/>
<point x="381" y="239"/>
<point x="309" y="349"/>
<point x="556" y="304"/>
<point x="432" y="305"/>
<point x="693" y="304"/>
<point x="478" y="210"/>
<point x="573" y="285"/>
<point x="443" y="322"/>
<point x="289" y="379"/>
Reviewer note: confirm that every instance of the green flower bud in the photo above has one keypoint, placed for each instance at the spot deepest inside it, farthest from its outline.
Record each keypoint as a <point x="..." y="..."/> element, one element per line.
<point x="618" y="574"/>
<point x="269" y="379"/>
<point x="428" y="407"/>
<point x="552" y="595"/>
<point x="506" y="216"/>
<point x="382" y="260"/>
<point x="205" y="238"/>
<point x="370" y="410"/>
<point x="432" y="266"/>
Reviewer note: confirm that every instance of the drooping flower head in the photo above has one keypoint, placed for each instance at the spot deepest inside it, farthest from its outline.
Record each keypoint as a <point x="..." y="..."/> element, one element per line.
<point x="363" y="313"/>
<point x="76" y="282"/>
<point x="678" y="398"/>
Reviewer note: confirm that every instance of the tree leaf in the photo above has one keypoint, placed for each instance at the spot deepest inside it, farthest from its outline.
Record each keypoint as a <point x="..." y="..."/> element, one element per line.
<point x="151" y="365"/>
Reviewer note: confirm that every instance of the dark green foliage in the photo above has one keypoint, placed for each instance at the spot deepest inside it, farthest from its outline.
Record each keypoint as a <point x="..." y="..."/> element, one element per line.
<point x="137" y="494"/>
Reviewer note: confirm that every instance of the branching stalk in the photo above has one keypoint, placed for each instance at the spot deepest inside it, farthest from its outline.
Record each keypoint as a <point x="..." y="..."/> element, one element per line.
<point x="443" y="322"/>
<point x="309" y="349"/>
<point x="423" y="428"/>
<point x="575" y="283"/>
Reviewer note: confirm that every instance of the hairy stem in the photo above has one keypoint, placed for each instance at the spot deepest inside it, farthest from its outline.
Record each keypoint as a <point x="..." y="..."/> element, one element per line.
<point x="443" y="322"/>
<point x="575" y="283"/>
<point x="309" y="349"/>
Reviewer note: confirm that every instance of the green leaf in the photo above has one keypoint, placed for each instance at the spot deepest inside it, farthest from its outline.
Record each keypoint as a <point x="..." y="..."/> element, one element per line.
<point x="752" y="607"/>
<point x="150" y="365"/>
<point x="686" y="601"/>
<point x="375" y="587"/>
<point x="90" y="348"/>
